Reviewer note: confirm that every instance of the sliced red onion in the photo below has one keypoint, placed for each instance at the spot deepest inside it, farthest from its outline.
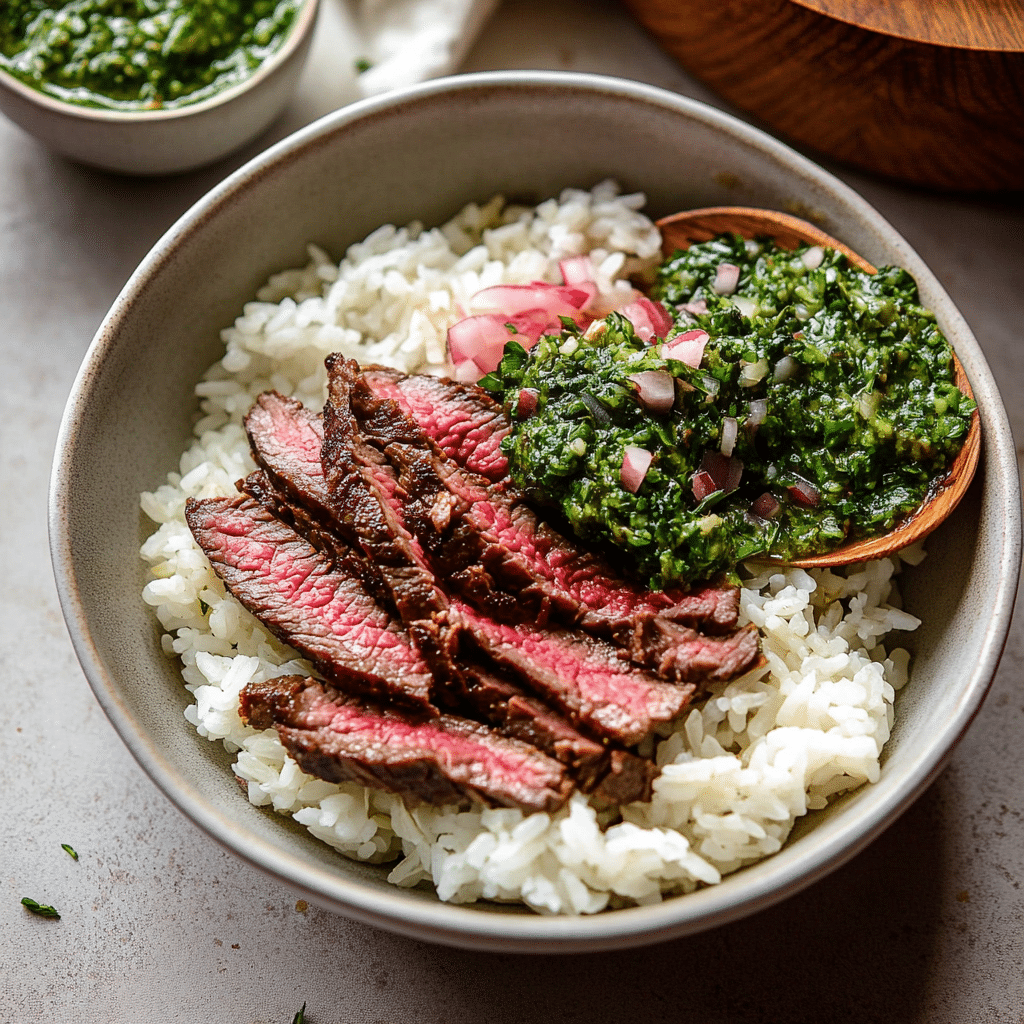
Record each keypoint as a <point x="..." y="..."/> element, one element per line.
<point x="803" y="492"/>
<point x="696" y="308"/>
<point x="758" y="411"/>
<point x="703" y="484"/>
<point x="577" y="270"/>
<point x="527" y="404"/>
<point x="656" y="389"/>
<point x="765" y="507"/>
<point x="753" y="373"/>
<point x="482" y="338"/>
<point x="556" y="299"/>
<point x="730" y="429"/>
<point x="635" y="463"/>
<point x="467" y="372"/>
<point x="812" y="258"/>
<point x="785" y="368"/>
<point x="727" y="277"/>
<point x="687" y="347"/>
<point x="726" y="471"/>
<point x="650" y="319"/>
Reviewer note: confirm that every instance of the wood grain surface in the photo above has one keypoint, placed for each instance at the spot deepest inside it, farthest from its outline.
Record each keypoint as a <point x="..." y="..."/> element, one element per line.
<point x="946" y="116"/>
<point x="973" y="24"/>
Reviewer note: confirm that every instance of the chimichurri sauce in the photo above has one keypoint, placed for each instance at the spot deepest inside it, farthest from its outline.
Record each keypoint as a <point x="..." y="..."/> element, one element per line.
<point x="838" y="385"/>
<point x="139" y="54"/>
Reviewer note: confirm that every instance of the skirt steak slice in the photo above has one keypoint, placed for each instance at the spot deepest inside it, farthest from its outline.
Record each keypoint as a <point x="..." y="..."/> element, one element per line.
<point x="286" y="440"/>
<point x="308" y="601"/>
<point x="580" y="675"/>
<point x="462" y="420"/>
<point x="444" y="760"/>
<point x="526" y="553"/>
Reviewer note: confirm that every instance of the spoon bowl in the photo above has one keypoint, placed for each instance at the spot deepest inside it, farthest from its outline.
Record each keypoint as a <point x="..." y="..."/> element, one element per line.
<point x="681" y="230"/>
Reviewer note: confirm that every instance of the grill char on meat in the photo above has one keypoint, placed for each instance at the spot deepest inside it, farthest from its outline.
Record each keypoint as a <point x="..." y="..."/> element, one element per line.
<point x="464" y="422"/>
<point x="455" y="417"/>
<point x="361" y="506"/>
<point x="494" y="549"/>
<point x="581" y="675"/>
<point x="444" y="760"/>
<point x="286" y="440"/>
<point x="318" y="607"/>
<point x="616" y="776"/>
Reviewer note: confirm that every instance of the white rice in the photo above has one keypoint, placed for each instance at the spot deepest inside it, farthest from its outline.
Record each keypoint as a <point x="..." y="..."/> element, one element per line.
<point x="737" y="770"/>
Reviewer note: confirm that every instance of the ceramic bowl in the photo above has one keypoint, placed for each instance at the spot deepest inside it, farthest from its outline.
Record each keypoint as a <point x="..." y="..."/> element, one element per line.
<point x="165" y="141"/>
<point x="423" y="153"/>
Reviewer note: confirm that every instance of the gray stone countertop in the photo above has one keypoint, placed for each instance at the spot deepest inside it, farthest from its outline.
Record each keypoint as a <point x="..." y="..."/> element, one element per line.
<point x="161" y="925"/>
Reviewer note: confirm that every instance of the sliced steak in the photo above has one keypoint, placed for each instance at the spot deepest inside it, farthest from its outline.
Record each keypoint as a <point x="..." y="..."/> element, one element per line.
<point x="515" y="567"/>
<point x="286" y="440"/>
<point x="283" y="506"/>
<point x="307" y="601"/>
<point x="493" y="697"/>
<point x="678" y="652"/>
<point x="580" y="675"/>
<point x="486" y="539"/>
<point x="462" y="420"/>
<point x="444" y="760"/>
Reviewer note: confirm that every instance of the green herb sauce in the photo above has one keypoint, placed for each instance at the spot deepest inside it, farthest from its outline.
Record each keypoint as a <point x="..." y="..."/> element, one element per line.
<point x="139" y="54"/>
<point x="853" y="377"/>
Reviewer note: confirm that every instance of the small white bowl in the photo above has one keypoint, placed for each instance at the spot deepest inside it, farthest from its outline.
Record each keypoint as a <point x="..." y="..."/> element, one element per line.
<point x="165" y="141"/>
<point x="423" y="153"/>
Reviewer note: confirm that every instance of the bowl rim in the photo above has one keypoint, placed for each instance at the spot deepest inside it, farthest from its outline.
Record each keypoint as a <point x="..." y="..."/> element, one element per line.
<point x="752" y="889"/>
<point x="301" y="27"/>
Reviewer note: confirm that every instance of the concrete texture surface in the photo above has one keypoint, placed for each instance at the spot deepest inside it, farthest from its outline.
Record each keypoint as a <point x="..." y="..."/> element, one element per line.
<point x="161" y="925"/>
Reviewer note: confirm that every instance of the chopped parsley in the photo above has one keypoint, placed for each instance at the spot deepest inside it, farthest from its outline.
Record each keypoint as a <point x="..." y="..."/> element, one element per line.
<point x="69" y="851"/>
<point x="39" y="909"/>
<point x="300" y="1017"/>
<point x="838" y="386"/>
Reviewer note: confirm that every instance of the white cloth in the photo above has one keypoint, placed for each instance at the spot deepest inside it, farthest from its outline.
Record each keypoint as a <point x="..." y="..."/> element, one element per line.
<point x="409" y="41"/>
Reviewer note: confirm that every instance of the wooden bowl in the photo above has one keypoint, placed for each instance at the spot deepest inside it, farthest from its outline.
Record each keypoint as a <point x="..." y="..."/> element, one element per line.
<point x="927" y="91"/>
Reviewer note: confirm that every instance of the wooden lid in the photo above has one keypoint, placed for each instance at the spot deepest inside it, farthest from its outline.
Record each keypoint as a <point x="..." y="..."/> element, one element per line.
<point x="964" y="24"/>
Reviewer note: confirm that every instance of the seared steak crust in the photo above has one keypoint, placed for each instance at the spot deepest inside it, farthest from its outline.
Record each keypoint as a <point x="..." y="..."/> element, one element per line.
<point x="493" y="548"/>
<point x="580" y="675"/>
<point x="354" y="502"/>
<point x="463" y="421"/>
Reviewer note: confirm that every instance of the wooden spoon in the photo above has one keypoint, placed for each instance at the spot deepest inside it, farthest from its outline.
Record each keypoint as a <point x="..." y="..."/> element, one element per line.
<point x="681" y="230"/>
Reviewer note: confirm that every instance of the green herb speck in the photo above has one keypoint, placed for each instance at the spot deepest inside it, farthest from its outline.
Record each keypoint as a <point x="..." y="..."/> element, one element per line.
<point x="39" y="909"/>
<point x="300" y="1017"/>
<point x="362" y="64"/>
<point x="69" y="851"/>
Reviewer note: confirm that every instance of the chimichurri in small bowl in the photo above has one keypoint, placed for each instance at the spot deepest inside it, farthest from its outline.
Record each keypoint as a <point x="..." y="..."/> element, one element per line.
<point x="150" y="86"/>
<point x="140" y="54"/>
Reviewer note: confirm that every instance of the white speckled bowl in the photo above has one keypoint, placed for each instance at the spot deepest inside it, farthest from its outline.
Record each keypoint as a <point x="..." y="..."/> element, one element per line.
<point x="165" y="141"/>
<point x="422" y="154"/>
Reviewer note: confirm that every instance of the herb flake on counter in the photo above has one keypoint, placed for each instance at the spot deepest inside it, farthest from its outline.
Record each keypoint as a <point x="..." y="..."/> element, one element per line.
<point x="300" y="1017"/>
<point x="39" y="909"/>
<point x="69" y="851"/>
